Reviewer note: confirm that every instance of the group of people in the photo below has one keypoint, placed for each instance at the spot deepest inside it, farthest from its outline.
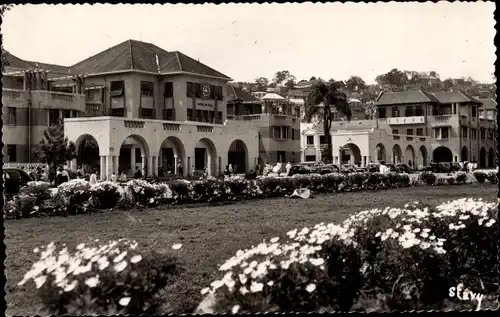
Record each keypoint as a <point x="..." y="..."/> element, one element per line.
<point x="278" y="168"/>
<point x="38" y="174"/>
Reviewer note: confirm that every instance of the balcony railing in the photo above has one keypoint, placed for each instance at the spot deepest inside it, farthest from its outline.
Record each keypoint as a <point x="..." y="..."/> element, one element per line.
<point x="134" y="124"/>
<point x="205" y="129"/>
<point x="406" y="120"/>
<point x="46" y="99"/>
<point x="445" y="117"/>
<point x="93" y="110"/>
<point x="13" y="94"/>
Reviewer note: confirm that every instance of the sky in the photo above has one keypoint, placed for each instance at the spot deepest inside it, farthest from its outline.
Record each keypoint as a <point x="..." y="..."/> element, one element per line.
<point x="246" y="41"/>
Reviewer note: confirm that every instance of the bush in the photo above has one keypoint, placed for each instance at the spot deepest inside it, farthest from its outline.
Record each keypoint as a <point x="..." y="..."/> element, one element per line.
<point x="71" y="197"/>
<point x="30" y="202"/>
<point x="480" y="176"/>
<point x="393" y="258"/>
<point x="114" y="278"/>
<point x="105" y="194"/>
<point x="461" y="178"/>
<point x="492" y="177"/>
<point x="428" y="177"/>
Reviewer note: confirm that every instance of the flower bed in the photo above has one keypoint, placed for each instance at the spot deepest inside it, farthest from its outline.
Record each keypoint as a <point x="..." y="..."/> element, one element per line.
<point x="113" y="278"/>
<point x="381" y="259"/>
<point x="78" y="196"/>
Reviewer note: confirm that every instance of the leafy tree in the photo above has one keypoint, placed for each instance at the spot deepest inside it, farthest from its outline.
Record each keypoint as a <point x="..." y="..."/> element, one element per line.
<point x="290" y="84"/>
<point x="261" y="83"/>
<point x="322" y="101"/>
<point x="283" y="77"/>
<point x="394" y="77"/>
<point x="448" y="83"/>
<point x="312" y="78"/>
<point x="54" y="149"/>
<point x="4" y="8"/>
<point x="355" y="83"/>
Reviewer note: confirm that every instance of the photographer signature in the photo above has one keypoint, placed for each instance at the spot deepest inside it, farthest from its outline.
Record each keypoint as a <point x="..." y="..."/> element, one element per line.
<point x="466" y="294"/>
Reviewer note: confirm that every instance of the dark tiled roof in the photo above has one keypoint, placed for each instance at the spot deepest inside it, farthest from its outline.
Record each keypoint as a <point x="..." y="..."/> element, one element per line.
<point x="17" y="64"/>
<point x="454" y="97"/>
<point x="489" y="103"/>
<point x="235" y="94"/>
<point x="405" y="97"/>
<point x="141" y="56"/>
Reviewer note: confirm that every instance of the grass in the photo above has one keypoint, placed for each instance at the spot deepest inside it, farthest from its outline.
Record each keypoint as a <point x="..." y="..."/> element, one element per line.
<point x="209" y="234"/>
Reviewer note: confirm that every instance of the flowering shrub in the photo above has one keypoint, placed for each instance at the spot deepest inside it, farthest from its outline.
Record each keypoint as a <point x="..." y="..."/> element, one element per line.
<point x="480" y="176"/>
<point x="30" y="202"/>
<point x="109" y="279"/>
<point x="428" y="177"/>
<point x="105" y="194"/>
<point x="492" y="177"/>
<point x="408" y="256"/>
<point x="461" y="178"/>
<point x="72" y="196"/>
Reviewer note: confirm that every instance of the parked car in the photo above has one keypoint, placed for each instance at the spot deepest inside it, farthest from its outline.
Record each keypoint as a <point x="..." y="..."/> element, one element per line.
<point x="315" y="167"/>
<point x="373" y="167"/>
<point x="348" y="168"/>
<point x="328" y="168"/>
<point x="299" y="169"/>
<point x="14" y="179"/>
<point x="440" y="167"/>
<point x="403" y="168"/>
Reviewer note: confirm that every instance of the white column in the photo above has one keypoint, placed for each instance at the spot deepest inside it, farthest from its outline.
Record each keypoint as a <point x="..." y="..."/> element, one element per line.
<point x="132" y="158"/>
<point x="149" y="165"/>
<point x="175" y="165"/>
<point x="109" y="167"/>
<point x="209" y="165"/>
<point x="143" y="164"/>
<point x="116" y="164"/>
<point x="103" y="168"/>
<point x="155" y="165"/>
<point x="219" y="166"/>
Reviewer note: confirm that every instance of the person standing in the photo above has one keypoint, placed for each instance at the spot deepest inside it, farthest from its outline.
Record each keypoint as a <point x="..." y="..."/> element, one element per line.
<point x="180" y="168"/>
<point x="123" y="177"/>
<point x="288" y="167"/>
<point x="138" y="174"/>
<point x="113" y="178"/>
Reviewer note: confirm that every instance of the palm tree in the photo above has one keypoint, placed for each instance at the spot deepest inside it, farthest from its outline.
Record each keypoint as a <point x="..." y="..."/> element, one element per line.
<point x="323" y="99"/>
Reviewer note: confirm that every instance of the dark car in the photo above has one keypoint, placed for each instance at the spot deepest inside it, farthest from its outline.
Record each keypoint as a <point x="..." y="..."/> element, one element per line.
<point x="329" y="168"/>
<point x="14" y="179"/>
<point x="299" y="169"/>
<point x="441" y="167"/>
<point x="403" y="168"/>
<point x="373" y="167"/>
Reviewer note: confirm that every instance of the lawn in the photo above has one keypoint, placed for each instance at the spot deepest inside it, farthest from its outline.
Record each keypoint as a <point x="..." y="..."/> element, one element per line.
<point x="209" y="234"/>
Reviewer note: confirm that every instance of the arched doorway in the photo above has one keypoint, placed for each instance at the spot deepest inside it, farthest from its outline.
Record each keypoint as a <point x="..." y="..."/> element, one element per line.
<point x="396" y="154"/>
<point x="442" y="154"/>
<point x="205" y="155"/>
<point x="133" y="153"/>
<point x="482" y="158"/>
<point x="423" y="157"/>
<point x="464" y="154"/>
<point x="380" y="152"/>
<point x="87" y="151"/>
<point x="410" y="155"/>
<point x="351" y="154"/>
<point x="491" y="158"/>
<point x="172" y="153"/>
<point x="238" y="156"/>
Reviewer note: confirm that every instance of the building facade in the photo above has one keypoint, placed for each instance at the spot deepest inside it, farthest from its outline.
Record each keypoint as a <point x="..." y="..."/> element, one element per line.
<point x="414" y="127"/>
<point x="148" y="108"/>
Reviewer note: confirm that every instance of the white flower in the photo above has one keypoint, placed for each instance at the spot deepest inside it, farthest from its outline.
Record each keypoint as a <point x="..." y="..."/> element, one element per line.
<point x="120" y="257"/>
<point x="120" y="266"/>
<point x="256" y="287"/>
<point x="177" y="246"/>
<point x="136" y="258"/>
<point x="205" y="290"/>
<point x="270" y="283"/>
<point x="124" y="301"/>
<point x="311" y="287"/>
<point x="317" y="262"/>
<point x="490" y="222"/>
<point x="424" y="245"/>
<point x="103" y="264"/>
<point x="92" y="282"/>
<point x="243" y="290"/>
<point x="274" y="240"/>
<point x="39" y="281"/>
<point x="80" y="246"/>
<point x="235" y="309"/>
<point x="36" y="250"/>
<point x="71" y="286"/>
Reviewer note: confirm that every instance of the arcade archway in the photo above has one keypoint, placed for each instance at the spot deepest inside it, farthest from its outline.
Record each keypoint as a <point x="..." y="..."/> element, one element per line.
<point x="482" y="158"/>
<point x="410" y="156"/>
<point x="237" y="156"/>
<point x="442" y="154"/>
<point x="380" y="153"/>
<point x="205" y="156"/>
<point x="172" y="155"/>
<point x="491" y="158"/>
<point x="133" y="153"/>
<point x="464" y="154"/>
<point x="351" y="154"/>
<point x="87" y="150"/>
<point x="396" y="154"/>
<point x="422" y="162"/>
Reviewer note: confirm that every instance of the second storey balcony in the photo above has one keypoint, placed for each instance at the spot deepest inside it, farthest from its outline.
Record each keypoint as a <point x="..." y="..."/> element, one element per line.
<point x="43" y="99"/>
<point x="406" y="120"/>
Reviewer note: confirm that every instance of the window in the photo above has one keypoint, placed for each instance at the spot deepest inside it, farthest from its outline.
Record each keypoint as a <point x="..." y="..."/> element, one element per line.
<point x="218" y="93"/>
<point x="381" y="113"/>
<point x="197" y="115"/>
<point x="189" y="90"/>
<point x="168" y="114"/>
<point x="310" y="158"/>
<point x="437" y="133"/>
<point x="169" y="90"/>
<point x="293" y="134"/>
<point x="395" y="131"/>
<point x="118" y="112"/>
<point x="117" y="88"/>
<point x="147" y="89"/>
<point x="66" y="114"/>
<point x="474" y="114"/>
<point x="218" y="117"/>
<point x="409" y="111"/>
<point x="281" y="156"/>
<point x="147" y="113"/>
<point x="322" y="139"/>
<point x="395" y="112"/>
<point x="409" y="131"/>
<point x="419" y="111"/>
<point x="310" y="139"/>
<point x="11" y="116"/>
<point x="464" y="132"/>
<point x="444" y="133"/>
<point x="53" y="116"/>
<point x="483" y="134"/>
<point x="277" y="132"/>
<point x="473" y="134"/>
<point x="11" y="152"/>
<point x="190" y="114"/>
<point x="420" y="131"/>
<point x="491" y="133"/>
<point x="198" y="91"/>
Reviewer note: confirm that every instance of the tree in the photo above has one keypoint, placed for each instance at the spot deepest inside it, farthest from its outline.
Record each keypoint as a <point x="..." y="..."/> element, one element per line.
<point x="323" y="99"/>
<point x="283" y="77"/>
<point x="262" y="83"/>
<point x="54" y="149"/>
<point x="394" y="77"/>
<point x="4" y="8"/>
<point x="355" y="84"/>
<point x="312" y="78"/>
